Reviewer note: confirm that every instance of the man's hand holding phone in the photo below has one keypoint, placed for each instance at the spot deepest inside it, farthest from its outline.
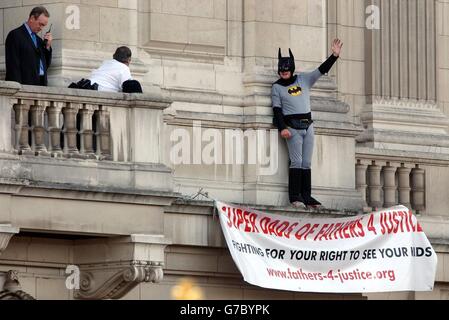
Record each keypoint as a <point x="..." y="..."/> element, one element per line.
<point x="48" y="38"/>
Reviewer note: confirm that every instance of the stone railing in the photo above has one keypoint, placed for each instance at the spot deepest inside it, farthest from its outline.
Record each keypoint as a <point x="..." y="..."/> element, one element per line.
<point x="59" y="122"/>
<point x="384" y="183"/>
<point x="83" y="138"/>
<point x="58" y="128"/>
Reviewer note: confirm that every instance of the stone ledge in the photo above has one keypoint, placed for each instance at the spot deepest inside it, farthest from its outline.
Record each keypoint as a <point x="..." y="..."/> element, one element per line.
<point x="206" y="207"/>
<point x="85" y="175"/>
<point x="85" y="193"/>
<point x="9" y="88"/>
<point x="437" y="159"/>
<point x="59" y="209"/>
<point x="152" y="99"/>
<point x="7" y="231"/>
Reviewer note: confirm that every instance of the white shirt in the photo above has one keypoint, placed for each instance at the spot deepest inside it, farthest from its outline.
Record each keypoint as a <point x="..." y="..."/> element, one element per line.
<point x="110" y="76"/>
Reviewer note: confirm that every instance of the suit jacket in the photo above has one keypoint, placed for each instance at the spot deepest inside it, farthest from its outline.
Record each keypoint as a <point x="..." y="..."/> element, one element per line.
<point x="23" y="58"/>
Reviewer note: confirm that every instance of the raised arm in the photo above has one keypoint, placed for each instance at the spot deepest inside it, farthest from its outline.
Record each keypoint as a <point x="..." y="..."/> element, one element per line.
<point x="336" y="50"/>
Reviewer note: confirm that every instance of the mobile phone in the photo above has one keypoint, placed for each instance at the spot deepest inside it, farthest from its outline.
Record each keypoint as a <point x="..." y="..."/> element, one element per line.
<point x="49" y="30"/>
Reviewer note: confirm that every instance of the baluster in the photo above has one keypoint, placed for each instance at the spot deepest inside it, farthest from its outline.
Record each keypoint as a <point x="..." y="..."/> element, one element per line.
<point x="404" y="185"/>
<point x="389" y="186"/>
<point x="38" y="129"/>
<point x="374" y="186"/>
<point x="87" y="133"/>
<point x="21" y="128"/>
<point x="70" y="130"/>
<point x="103" y="132"/>
<point x="418" y="189"/>
<point x="54" y="129"/>
<point x="360" y="176"/>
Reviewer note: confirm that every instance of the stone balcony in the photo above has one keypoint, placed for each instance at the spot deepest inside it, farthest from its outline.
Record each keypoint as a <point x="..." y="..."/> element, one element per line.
<point x="87" y="166"/>
<point x="67" y="155"/>
<point x="117" y="146"/>
<point x="80" y="145"/>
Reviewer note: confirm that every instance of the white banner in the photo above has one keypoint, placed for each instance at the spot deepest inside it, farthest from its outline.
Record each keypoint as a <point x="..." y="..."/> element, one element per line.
<point x="380" y="252"/>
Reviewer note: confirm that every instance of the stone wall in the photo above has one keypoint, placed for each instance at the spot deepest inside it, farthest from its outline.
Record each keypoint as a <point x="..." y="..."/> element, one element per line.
<point x="213" y="63"/>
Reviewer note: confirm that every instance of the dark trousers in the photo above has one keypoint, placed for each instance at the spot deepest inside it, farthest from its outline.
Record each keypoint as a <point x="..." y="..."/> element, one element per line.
<point x="42" y="81"/>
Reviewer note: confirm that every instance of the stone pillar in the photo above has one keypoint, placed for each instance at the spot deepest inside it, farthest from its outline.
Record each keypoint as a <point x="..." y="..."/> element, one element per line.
<point x="389" y="186"/>
<point x="404" y="185"/>
<point x="86" y="133"/>
<point x="374" y="186"/>
<point x="38" y="128"/>
<point x="70" y="130"/>
<point x="21" y="128"/>
<point x="360" y="176"/>
<point x="418" y="189"/>
<point x="54" y="129"/>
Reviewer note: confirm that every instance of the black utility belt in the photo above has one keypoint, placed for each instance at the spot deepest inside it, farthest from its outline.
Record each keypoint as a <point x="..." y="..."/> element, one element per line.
<point x="299" y="124"/>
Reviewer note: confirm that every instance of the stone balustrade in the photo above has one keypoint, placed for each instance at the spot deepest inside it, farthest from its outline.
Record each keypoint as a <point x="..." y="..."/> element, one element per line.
<point x="83" y="138"/>
<point x="60" y="122"/>
<point x="57" y="128"/>
<point x="385" y="183"/>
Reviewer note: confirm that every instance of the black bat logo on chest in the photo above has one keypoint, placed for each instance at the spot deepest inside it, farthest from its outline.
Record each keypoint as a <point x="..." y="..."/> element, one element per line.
<point x="295" y="91"/>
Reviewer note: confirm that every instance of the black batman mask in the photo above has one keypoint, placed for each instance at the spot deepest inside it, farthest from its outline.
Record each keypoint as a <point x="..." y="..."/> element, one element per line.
<point x="286" y="64"/>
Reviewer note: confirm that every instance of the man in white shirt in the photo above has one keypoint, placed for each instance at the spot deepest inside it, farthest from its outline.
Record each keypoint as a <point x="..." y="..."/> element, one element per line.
<point x="113" y="73"/>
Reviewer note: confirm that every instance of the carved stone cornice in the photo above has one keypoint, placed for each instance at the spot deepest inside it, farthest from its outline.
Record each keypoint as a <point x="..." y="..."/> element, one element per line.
<point x="6" y="233"/>
<point x="405" y="103"/>
<point x="404" y="111"/>
<point x="404" y="125"/>
<point x="99" y="284"/>
<point x="111" y="268"/>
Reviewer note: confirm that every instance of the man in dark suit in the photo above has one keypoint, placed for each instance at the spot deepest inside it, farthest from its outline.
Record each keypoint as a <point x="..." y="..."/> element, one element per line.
<point x="27" y="55"/>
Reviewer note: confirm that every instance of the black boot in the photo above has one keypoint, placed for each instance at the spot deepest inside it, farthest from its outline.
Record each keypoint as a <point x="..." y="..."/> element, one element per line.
<point x="295" y="188"/>
<point x="307" y="189"/>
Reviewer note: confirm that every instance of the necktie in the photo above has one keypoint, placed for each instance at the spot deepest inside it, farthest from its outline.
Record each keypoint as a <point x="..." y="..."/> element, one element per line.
<point x="33" y="36"/>
<point x="41" y="66"/>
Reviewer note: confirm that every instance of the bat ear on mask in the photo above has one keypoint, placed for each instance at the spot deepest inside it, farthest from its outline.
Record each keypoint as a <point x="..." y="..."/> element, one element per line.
<point x="291" y="54"/>
<point x="280" y="54"/>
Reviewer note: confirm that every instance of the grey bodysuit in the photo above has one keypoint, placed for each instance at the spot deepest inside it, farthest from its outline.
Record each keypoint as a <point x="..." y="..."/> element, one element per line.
<point x="294" y="100"/>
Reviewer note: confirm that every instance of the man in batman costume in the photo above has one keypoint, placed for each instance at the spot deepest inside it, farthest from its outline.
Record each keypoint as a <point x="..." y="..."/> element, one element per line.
<point x="293" y="118"/>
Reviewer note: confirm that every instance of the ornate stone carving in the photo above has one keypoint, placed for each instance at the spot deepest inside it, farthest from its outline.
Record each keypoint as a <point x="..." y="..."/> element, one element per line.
<point x="111" y="268"/>
<point x="95" y="285"/>
<point x="12" y="289"/>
